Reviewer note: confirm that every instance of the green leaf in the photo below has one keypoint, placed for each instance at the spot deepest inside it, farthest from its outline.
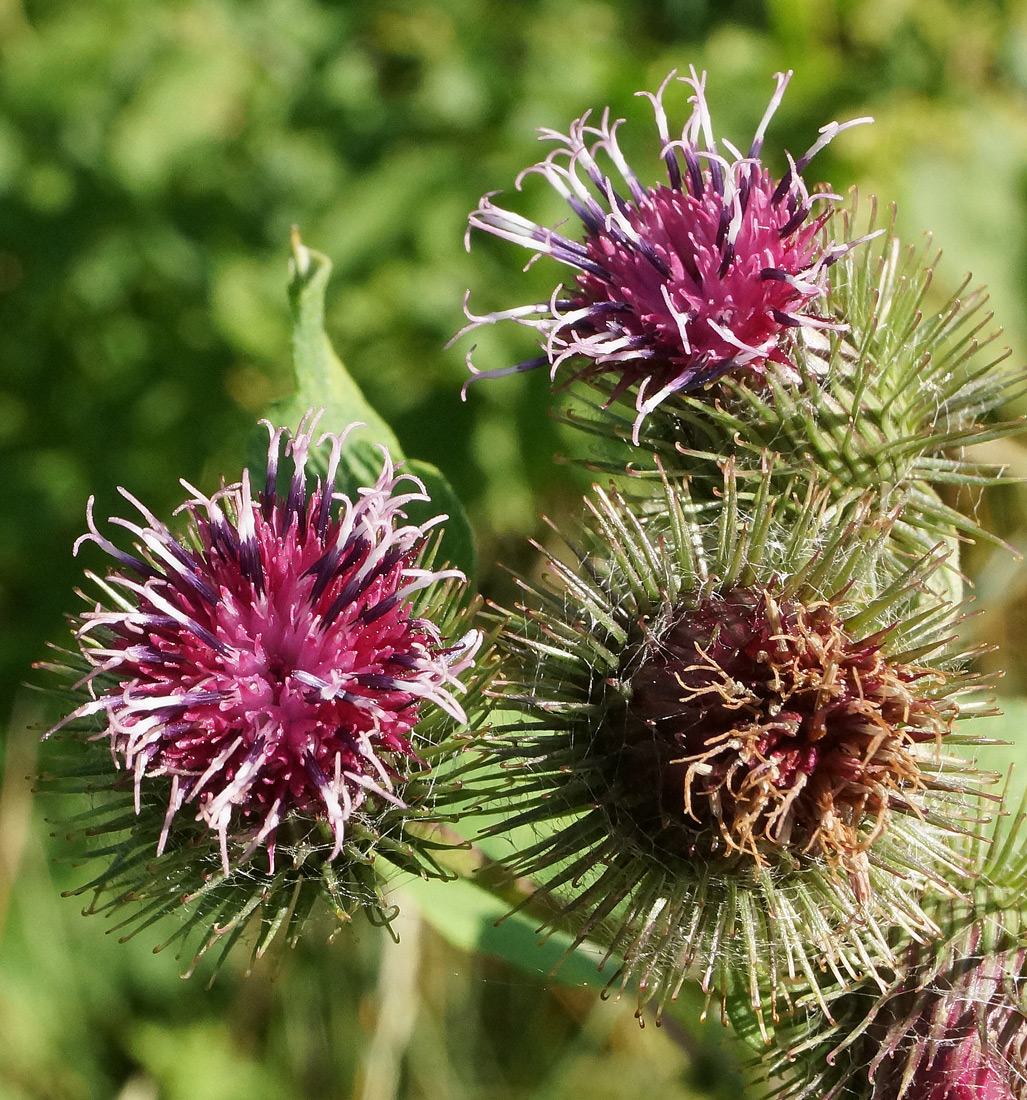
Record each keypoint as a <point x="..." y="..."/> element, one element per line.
<point x="1009" y="729"/>
<point x="322" y="382"/>
<point x="472" y="919"/>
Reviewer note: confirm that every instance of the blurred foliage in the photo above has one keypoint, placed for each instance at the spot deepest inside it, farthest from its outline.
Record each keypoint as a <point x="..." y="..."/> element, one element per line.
<point x="153" y="156"/>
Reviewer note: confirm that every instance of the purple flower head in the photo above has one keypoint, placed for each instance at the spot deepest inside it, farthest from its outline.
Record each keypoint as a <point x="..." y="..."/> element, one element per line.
<point x="678" y="284"/>
<point x="965" y="1075"/>
<point x="952" y="1024"/>
<point x="962" y="1036"/>
<point x="268" y="659"/>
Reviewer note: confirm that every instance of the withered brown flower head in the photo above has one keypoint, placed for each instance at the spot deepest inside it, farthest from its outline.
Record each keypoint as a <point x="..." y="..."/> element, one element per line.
<point x="736" y="739"/>
<point x="757" y="724"/>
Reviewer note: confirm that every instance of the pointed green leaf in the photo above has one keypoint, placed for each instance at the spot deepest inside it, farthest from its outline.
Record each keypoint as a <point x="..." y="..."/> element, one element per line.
<point x="322" y="382"/>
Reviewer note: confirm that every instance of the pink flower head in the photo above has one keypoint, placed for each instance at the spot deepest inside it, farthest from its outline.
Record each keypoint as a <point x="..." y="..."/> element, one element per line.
<point x="970" y="1076"/>
<point x="965" y="1038"/>
<point x="678" y="284"/>
<point x="952" y="1026"/>
<point x="269" y="659"/>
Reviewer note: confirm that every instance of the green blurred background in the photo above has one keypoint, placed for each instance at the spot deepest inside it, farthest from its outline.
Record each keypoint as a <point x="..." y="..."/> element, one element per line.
<point x="153" y="155"/>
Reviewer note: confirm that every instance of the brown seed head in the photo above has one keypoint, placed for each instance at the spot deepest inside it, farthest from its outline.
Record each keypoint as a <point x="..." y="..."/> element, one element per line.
<point x="754" y="725"/>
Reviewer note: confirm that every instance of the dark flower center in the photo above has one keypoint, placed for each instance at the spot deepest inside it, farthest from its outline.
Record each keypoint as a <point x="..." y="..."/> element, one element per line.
<point x="753" y="725"/>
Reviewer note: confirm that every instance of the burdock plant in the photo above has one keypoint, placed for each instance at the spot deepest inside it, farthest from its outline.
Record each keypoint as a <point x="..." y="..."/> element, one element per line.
<point x="729" y="745"/>
<point x="745" y="313"/>
<point x="272" y="682"/>
<point x="735" y="702"/>
<point x="736" y="741"/>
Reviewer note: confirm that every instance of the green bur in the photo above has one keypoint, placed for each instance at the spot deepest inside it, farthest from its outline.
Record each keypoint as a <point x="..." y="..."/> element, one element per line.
<point x="761" y="918"/>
